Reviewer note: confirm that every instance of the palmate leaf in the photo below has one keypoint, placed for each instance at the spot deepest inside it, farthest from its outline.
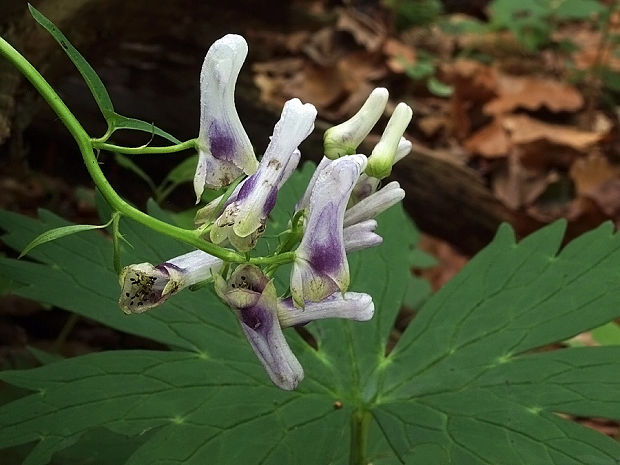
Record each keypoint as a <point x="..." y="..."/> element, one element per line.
<point x="463" y="385"/>
<point x="210" y="386"/>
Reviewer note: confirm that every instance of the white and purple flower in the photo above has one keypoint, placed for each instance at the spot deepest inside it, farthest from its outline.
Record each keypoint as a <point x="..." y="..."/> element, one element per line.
<point x="224" y="149"/>
<point x="243" y="220"/>
<point x="320" y="267"/>
<point x="262" y="316"/>
<point x="144" y="286"/>
<point x="335" y="216"/>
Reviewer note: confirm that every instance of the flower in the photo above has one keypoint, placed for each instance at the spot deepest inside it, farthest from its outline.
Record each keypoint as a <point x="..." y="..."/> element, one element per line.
<point x="262" y="316"/>
<point x="224" y="149"/>
<point x="243" y="220"/>
<point x="346" y="137"/>
<point x="253" y="298"/>
<point x="214" y="208"/>
<point x="382" y="157"/>
<point x="144" y="286"/>
<point x="320" y="267"/>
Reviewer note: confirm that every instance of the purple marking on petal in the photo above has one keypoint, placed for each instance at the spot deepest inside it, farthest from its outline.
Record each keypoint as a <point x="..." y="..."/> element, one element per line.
<point x="256" y="318"/>
<point x="163" y="268"/>
<point x="325" y="254"/>
<point x="221" y="142"/>
<point x="270" y="202"/>
<point x="247" y="188"/>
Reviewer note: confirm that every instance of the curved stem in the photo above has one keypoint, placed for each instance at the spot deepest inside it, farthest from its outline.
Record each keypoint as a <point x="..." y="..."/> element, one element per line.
<point x="190" y="144"/>
<point x="85" y="144"/>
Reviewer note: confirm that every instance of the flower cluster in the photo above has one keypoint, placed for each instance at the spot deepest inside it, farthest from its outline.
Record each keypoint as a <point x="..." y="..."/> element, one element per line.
<point x="334" y="217"/>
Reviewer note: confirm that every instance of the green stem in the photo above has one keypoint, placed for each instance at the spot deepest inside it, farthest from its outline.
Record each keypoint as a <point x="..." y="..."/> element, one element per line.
<point x="85" y="144"/>
<point x="190" y="144"/>
<point x="360" y="423"/>
<point x="280" y="259"/>
<point x="116" y="241"/>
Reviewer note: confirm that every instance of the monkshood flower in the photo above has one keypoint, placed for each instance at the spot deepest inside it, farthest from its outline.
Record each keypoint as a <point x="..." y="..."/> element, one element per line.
<point x="382" y="157"/>
<point x="252" y="296"/>
<point x="243" y="220"/>
<point x="224" y="149"/>
<point x="144" y="286"/>
<point x="344" y="138"/>
<point x="254" y="299"/>
<point x="214" y="208"/>
<point x="320" y="267"/>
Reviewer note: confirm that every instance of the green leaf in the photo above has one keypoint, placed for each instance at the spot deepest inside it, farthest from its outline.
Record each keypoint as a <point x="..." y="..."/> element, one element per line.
<point x="462" y="385"/>
<point x="88" y="73"/>
<point x="438" y="88"/>
<point x="209" y="397"/>
<point x="608" y="334"/>
<point x="183" y="172"/>
<point x="128" y="164"/>
<point x="59" y="232"/>
<point x="465" y="384"/>
<point x="421" y="259"/>
<point x="117" y="121"/>
<point x="422" y="69"/>
<point x="578" y="9"/>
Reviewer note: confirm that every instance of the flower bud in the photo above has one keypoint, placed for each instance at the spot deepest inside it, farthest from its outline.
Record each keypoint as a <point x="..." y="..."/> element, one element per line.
<point x="383" y="155"/>
<point x="346" y="137"/>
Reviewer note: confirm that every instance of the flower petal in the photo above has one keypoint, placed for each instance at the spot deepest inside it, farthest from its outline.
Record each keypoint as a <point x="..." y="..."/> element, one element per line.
<point x="305" y="200"/>
<point x="254" y="300"/>
<point x="243" y="220"/>
<point x="367" y="185"/>
<point x="261" y="327"/>
<point x="142" y="287"/>
<point x="352" y="306"/>
<point x="210" y="211"/>
<point x="320" y="265"/>
<point x="374" y="204"/>
<point x="361" y="236"/>
<point x="225" y="150"/>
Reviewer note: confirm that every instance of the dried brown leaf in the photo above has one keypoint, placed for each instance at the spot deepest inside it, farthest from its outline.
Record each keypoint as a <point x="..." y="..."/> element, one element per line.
<point x="490" y="141"/>
<point x="517" y="186"/>
<point x="431" y="125"/>
<point x="607" y="196"/>
<point x="532" y="93"/>
<point x="398" y="55"/>
<point x="524" y="129"/>
<point x="590" y="172"/>
<point x="370" y="31"/>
